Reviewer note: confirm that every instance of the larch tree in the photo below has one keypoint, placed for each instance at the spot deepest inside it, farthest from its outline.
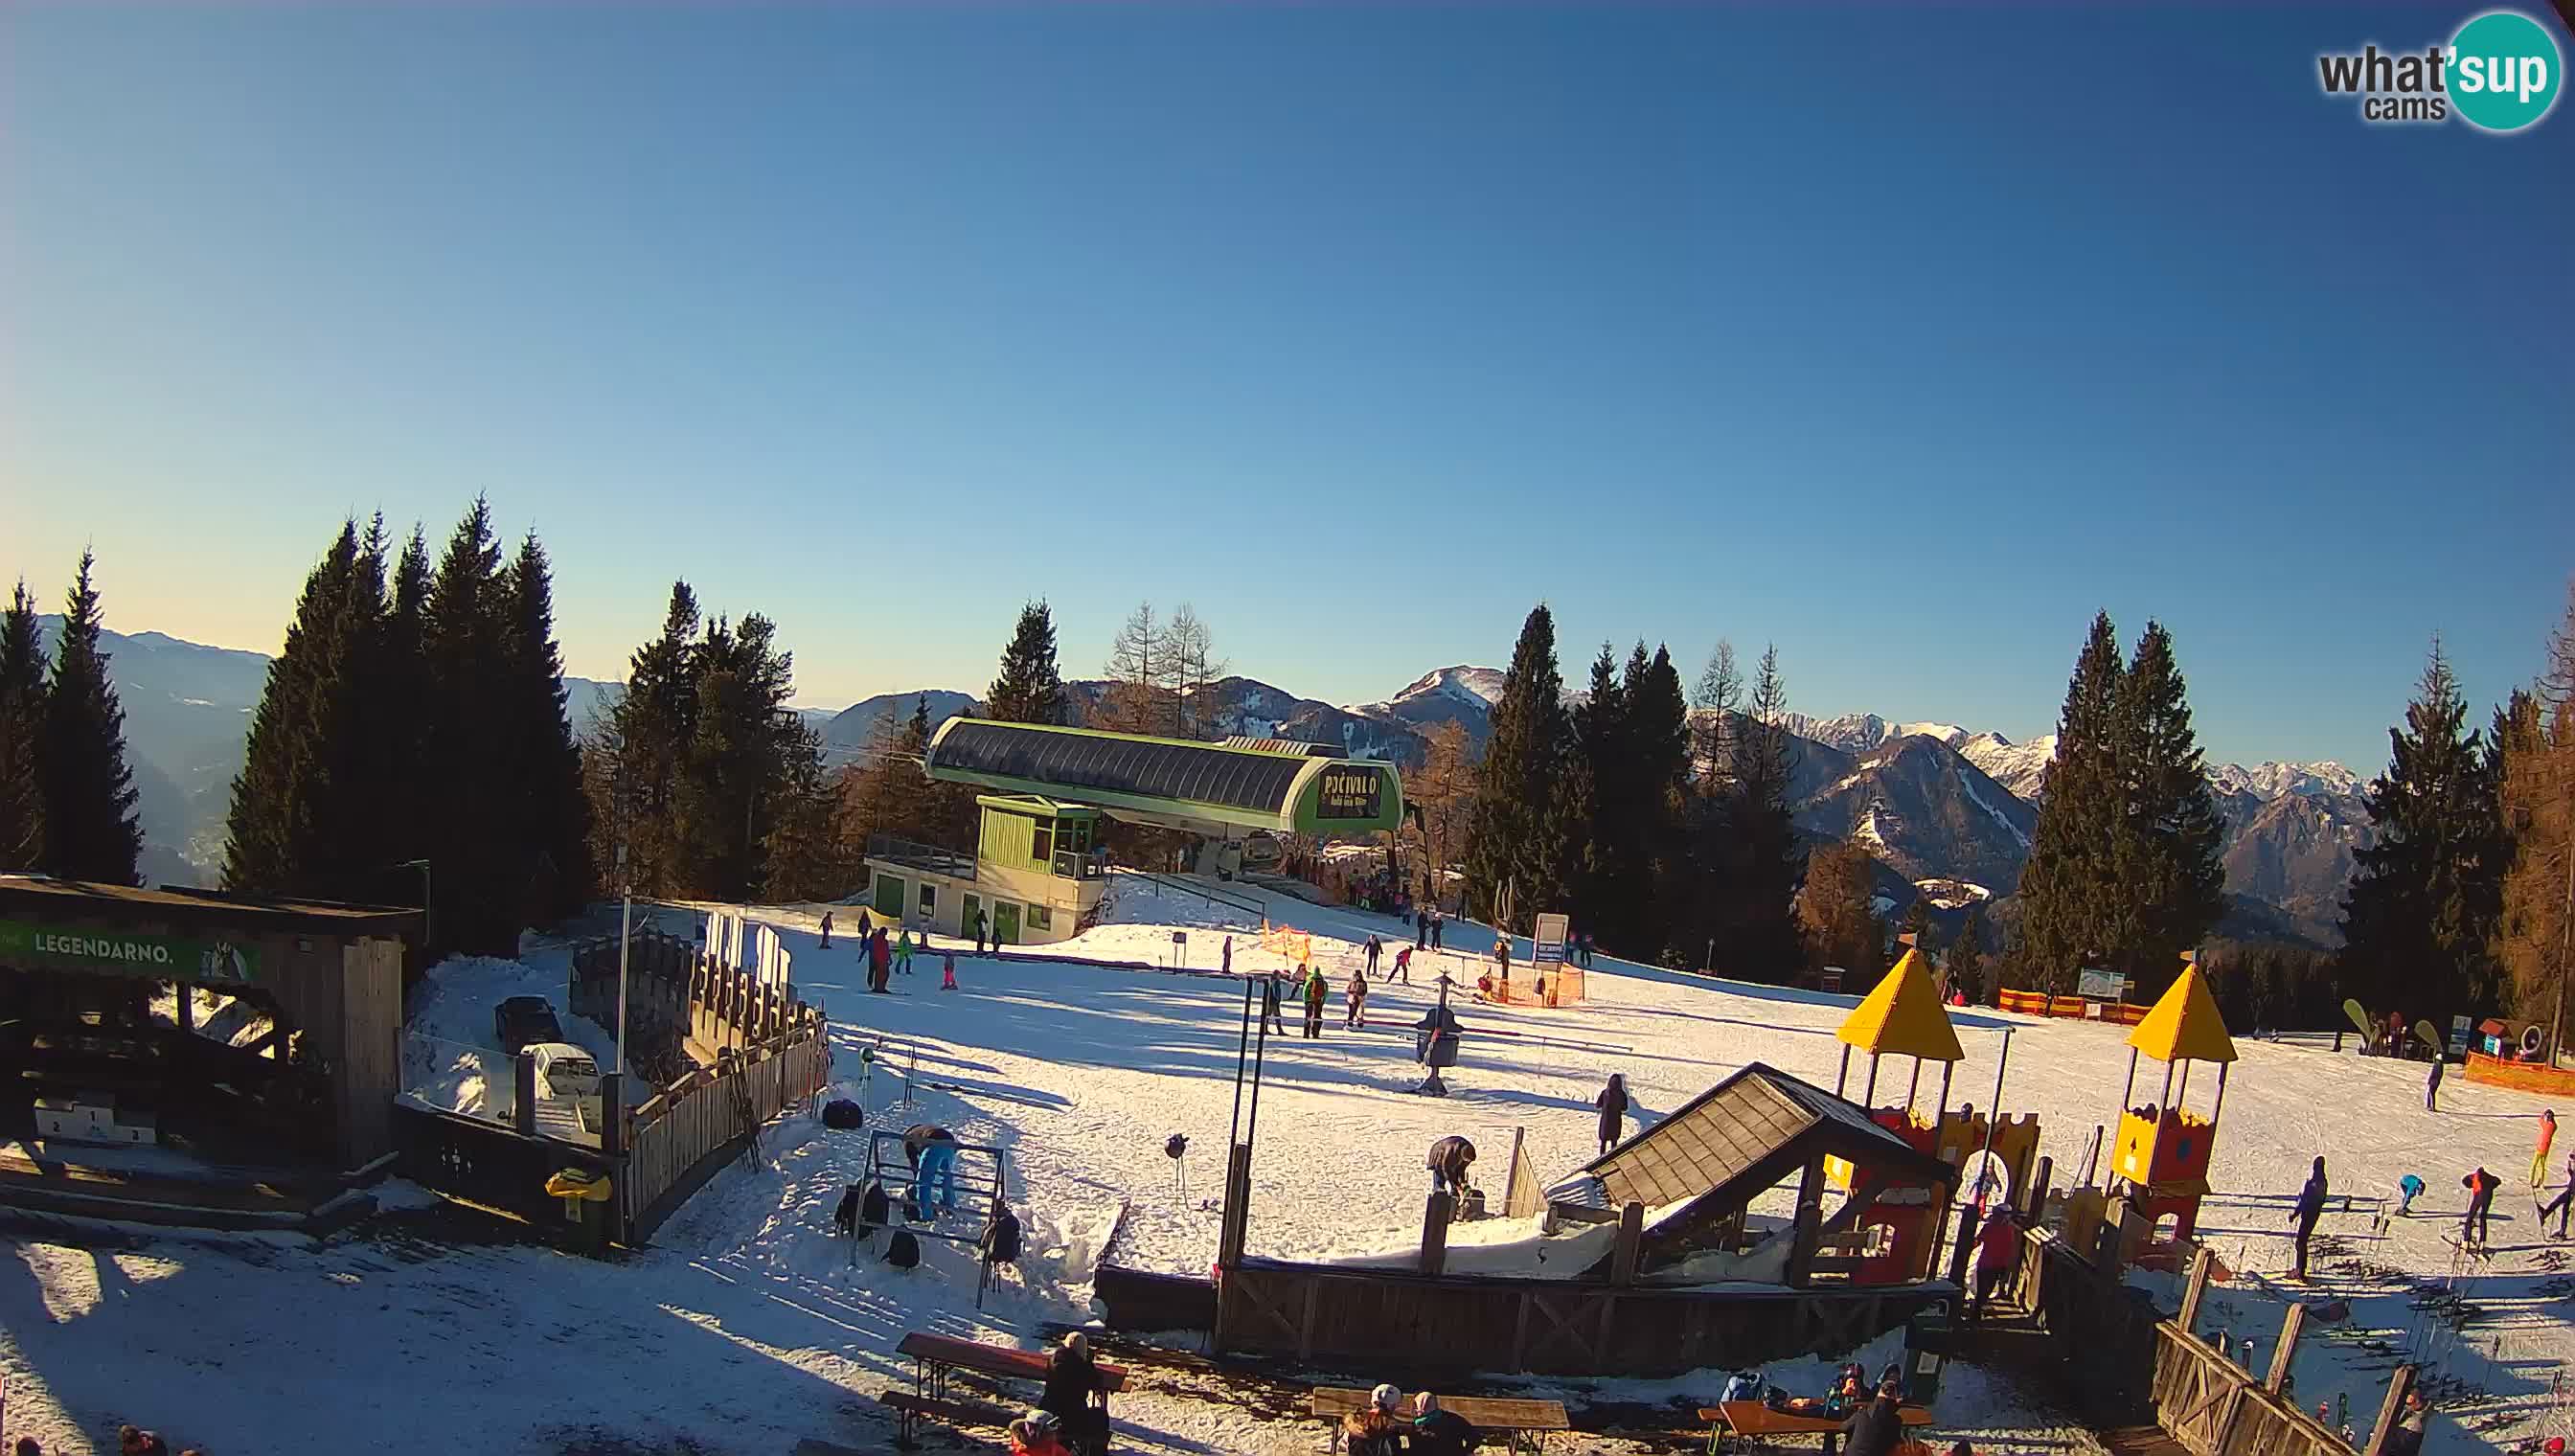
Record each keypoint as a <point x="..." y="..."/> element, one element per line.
<point x="1836" y="913"/>
<point x="91" y="831"/>
<point x="2534" y="940"/>
<point x="1138" y="676"/>
<point x="1030" y="687"/>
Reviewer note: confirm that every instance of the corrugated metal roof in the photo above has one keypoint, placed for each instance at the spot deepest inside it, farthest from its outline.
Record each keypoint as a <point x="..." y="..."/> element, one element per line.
<point x="1157" y="767"/>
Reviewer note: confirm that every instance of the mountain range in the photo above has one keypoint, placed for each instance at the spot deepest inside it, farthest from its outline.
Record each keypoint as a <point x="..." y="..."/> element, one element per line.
<point x="1949" y="813"/>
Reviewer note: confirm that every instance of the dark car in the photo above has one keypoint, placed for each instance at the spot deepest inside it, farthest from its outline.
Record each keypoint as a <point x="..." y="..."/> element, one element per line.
<point x="522" y="1021"/>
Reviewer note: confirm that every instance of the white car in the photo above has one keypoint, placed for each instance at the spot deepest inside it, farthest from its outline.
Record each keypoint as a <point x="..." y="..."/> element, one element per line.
<point x="565" y="1071"/>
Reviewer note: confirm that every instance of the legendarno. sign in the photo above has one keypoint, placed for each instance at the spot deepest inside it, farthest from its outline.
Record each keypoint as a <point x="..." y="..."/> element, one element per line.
<point x="152" y="958"/>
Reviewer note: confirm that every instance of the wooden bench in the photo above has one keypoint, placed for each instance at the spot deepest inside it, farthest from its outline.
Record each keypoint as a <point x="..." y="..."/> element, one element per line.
<point x="909" y="1410"/>
<point x="1523" y="1425"/>
<point x="1751" y="1421"/>
<point x="935" y="1357"/>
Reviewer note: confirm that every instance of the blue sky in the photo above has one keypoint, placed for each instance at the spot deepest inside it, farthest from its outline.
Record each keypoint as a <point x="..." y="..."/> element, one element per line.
<point x="1903" y="338"/>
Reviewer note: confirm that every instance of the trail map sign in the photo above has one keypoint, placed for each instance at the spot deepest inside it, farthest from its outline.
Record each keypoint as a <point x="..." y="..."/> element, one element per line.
<point x="1546" y="941"/>
<point x="148" y="957"/>
<point x="2100" y="985"/>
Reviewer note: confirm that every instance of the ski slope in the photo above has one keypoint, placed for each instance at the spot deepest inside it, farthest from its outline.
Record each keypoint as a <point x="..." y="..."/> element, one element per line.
<point x="746" y="1327"/>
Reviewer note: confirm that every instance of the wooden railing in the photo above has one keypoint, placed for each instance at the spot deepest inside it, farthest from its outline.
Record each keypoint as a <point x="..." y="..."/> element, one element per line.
<point x="681" y="1137"/>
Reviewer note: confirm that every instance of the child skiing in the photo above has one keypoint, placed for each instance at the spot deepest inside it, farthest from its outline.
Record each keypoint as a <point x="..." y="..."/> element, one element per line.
<point x="903" y="953"/>
<point x="2481" y="1188"/>
<point x="2539" y="1155"/>
<point x="1270" y="1019"/>
<point x="948" y="978"/>
<point x="1316" y="991"/>
<point x="1356" y="995"/>
<point x="2409" y="1188"/>
<point x="2310" y="1207"/>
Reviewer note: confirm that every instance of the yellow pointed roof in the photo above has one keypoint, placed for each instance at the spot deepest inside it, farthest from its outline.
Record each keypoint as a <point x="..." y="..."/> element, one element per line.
<point x="2186" y="1023"/>
<point x="1903" y="1016"/>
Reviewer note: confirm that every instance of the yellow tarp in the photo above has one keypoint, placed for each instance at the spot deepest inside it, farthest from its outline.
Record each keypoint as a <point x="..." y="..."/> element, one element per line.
<point x="1903" y="1016"/>
<point x="2185" y="1024"/>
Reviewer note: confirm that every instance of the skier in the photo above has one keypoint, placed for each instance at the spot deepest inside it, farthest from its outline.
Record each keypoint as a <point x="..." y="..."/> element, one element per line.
<point x="1503" y="956"/>
<point x="1316" y="991"/>
<point x="2432" y="1086"/>
<point x="1225" y="963"/>
<point x="1373" y="945"/>
<point x="2539" y="1156"/>
<point x="2564" y="1203"/>
<point x="1356" y="995"/>
<point x="863" y="922"/>
<point x="1403" y="964"/>
<point x="1269" y="1018"/>
<point x="880" y="955"/>
<point x="902" y="951"/>
<point x="1450" y="1158"/>
<point x="2481" y="1188"/>
<point x="2310" y="1207"/>
<point x="2410" y="1187"/>
<point x="827" y="928"/>
<point x="1437" y="921"/>
<point x="1612" y="1103"/>
<point x="948" y="974"/>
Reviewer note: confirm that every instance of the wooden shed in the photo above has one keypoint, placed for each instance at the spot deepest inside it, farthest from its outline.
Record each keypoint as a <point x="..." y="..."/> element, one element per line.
<point x="81" y="965"/>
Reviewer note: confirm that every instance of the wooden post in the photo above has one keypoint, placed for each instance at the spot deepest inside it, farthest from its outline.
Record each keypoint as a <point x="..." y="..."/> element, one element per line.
<point x="1305" y="1328"/>
<point x="1435" y="1232"/>
<point x="187" y="995"/>
<point x="612" y="1145"/>
<point x="1809" y="1223"/>
<point x="2286" y="1349"/>
<point x="2389" y="1410"/>
<point x="522" y="1095"/>
<point x="1966" y="1245"/>
<point x="2201" y="1264"/>
<point x="2037" y="1189"/>
<point x="1630" y="1248"/>
<point x="1237" y="1184"/>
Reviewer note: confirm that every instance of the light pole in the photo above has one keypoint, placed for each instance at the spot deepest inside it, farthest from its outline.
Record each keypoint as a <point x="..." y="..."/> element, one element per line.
<point x="428" y="903"/>
<point x="625" y="944"/>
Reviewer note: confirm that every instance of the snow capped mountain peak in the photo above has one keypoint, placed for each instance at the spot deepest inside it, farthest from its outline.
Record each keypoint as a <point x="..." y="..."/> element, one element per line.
<point x="2272" y="780"/>
<point x="1475" y="689"/>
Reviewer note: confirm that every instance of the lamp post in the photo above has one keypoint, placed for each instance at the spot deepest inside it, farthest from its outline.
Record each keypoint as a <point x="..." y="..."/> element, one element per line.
<point x="625" y="945"/>
<point x="428" y="902"/>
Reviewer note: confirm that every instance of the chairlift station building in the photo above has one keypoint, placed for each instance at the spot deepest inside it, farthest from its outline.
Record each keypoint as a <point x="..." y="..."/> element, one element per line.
<point x="1037" y="872"/>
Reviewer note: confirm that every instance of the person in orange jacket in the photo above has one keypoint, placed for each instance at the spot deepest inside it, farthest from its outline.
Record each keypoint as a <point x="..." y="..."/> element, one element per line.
<point x="1038" y="1433"/>
<point x="2539" y="1155"/>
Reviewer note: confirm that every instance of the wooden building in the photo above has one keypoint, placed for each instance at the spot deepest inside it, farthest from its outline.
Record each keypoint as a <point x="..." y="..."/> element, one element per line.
<point x="92" y="1057"/>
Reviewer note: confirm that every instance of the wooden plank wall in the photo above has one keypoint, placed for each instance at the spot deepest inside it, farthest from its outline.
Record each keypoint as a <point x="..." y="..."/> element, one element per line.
<point x="2214" y="1407"/>
<point x="370" y="1071"/>
<point x="709" y="1116"/>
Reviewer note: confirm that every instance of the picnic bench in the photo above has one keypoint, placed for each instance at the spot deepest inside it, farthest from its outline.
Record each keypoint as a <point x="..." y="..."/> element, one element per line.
<point x="1754" y="1423"/>
<point x="937" y="1357"/>
<point x="1523" y="1425"/>
<point x="909" y="1408"/>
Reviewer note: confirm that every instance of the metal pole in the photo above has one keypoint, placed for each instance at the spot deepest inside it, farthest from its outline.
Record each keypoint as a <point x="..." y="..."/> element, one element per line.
<point x="2565" y="940"/>
<point x="625" y="951"/>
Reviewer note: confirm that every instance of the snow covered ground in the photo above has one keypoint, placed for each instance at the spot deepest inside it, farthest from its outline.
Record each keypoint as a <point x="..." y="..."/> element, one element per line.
<point x="746" y="1327"/>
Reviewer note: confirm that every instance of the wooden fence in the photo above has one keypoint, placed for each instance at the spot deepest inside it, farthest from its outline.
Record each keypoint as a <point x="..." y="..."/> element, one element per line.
<point x="486" y="1163"/>
<point x="1542" y="1327"/>
<point x="672" y="989"/>
<point x="683" y="1135"/>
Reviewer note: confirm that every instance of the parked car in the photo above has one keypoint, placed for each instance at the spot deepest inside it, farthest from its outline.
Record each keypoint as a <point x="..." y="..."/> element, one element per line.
<point x="522" y="1021"/>
<point x="567" y="1076"/>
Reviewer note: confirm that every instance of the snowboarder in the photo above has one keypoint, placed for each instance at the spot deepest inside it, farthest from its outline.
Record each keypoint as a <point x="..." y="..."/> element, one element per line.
<point x="2481" y="1188"/>
<point x="1356" y="995"/>
<point x="1316" y="991"/>
<point x="2432" y="1086"/>
<point x="1612" y="1103"/>
<point x="1225" y="960"/>
<point x="903" y="953"/>
<point x="827" y="928"/>
<point x="1373" y="945"/>
<point x="1270" y="1019"/>
<point x="1403" y="964"/>
<point x="2408" y="1188"/>
<point x="1450" y="1158"/>
<point x="2310" y="1207"/>
<point x="2563" y="1203"/>
<point x="2539" y="1155"/>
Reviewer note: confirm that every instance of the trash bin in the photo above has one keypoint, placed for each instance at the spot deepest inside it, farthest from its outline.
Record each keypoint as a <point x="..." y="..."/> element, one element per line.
<point x="1926" y="1352"/>
<point x="585" y="1198"/>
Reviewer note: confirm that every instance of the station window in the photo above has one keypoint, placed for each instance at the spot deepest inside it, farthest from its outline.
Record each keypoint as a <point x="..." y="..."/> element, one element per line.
<point x="929" y="899"/>
<point x="1043" y="844"/>
<point x="1041" y="917"/>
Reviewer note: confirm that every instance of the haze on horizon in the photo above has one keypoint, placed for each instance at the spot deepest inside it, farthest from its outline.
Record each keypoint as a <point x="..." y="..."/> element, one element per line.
<point x="1361" y="330"/>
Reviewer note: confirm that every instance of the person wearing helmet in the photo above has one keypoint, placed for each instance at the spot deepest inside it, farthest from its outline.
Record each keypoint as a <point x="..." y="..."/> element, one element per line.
<point x="1379" y="1428"/>
<point x="1037" y="1434"/>
<point x="1437" y="1432"/>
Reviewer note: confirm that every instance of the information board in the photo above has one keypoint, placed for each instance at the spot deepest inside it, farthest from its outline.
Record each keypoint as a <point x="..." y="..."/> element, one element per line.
<point x="1548" y="940"/>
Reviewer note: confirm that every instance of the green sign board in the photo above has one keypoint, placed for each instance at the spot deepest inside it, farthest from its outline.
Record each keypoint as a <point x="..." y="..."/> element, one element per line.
<point x="148" y="957"/>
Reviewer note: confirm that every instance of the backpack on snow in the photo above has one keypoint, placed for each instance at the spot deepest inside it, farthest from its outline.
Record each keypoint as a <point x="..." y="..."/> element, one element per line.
<point x="843" y="1115"/>
<point x="1001" y="1240"/>
<point x="903" y="1250"/>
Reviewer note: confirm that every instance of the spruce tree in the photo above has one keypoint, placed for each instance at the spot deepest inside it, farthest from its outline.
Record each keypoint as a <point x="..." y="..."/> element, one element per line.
<point x="2426" y="894"/>
<point x="91" y="832"/>
<point x="467" y="776"/>
<point x="1591" y="818"/>
<point x="1757" y="936"/>
<point x="2171" y="877"/>
<point x="394" y="712"/>
<point x="1514" y="847"/>
<point x="646" y="740"/>
<point x="803" y="856"/>
<point x="1659" y="743"/>
<point x="2071" y="904"/>
<point x="1030" y="687"/>
<point x="22" y="719"/>
<point x="304" y="820"/>
<point x="1966" y="960"/>
<point x="552" y="837"/>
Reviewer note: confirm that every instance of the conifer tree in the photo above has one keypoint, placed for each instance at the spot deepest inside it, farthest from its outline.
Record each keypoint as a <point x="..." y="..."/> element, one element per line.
<point x="1758" y="934"/>
<point x="2171" y="880"/>
<point x="1591" y="818"/>
<point x="1834" y="908"/>
<point x="804" y="857"/>
<point x="2529" y="759"/>
<point x="22" y="718"/>
<point x="552" y="837"/>
<point x="91" y="832"/>
<point x="1514" y="846"/>
<point x="1660" y="741"/>
<point x="393" y="712"/>
<point x="2071" y="905"/>
<point x="1966" y="960"/>
<point x="2426" y="894"/>
<point x="1917" y="924"/>
<point x="1030" y="687"/>
<point x="303" y="818"/>
<point x="467" y="785"/>
<point x="644" y="744"/>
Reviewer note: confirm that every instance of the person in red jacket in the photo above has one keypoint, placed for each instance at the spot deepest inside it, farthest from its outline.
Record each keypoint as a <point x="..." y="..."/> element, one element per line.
<point x="1998" y="1246"/>
<point x="2481" y="1188"/>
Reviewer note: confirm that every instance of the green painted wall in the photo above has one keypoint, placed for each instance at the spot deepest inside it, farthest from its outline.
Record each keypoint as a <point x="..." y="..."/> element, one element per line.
<point x="1390" y="801"/>
<point x="1009" y="839"/>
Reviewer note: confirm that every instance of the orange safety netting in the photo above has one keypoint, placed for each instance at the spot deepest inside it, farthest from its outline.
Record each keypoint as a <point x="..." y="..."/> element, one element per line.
<point x="1559" y="986"/>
